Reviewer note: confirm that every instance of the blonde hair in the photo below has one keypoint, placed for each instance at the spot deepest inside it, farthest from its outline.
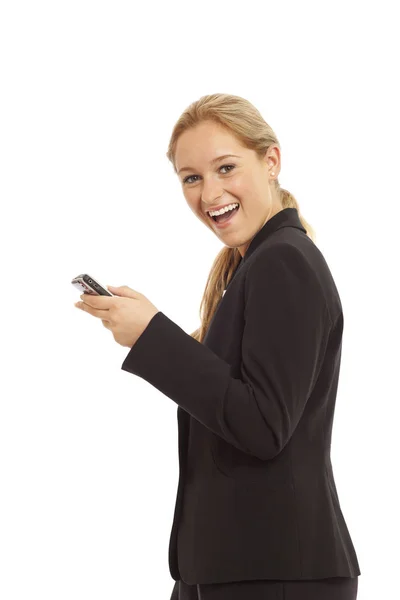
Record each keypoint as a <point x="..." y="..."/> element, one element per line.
<point x="244" y="121"/>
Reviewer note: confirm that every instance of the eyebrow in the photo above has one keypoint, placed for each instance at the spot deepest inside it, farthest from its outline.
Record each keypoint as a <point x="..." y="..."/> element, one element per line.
<point x="212" y="162"/>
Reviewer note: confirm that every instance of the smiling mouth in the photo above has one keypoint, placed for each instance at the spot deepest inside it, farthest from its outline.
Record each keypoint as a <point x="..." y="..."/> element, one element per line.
<point x="225" y="219"/>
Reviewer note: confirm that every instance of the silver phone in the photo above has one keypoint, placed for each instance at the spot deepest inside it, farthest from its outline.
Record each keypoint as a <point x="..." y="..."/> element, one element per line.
<point x="89" y="285"/>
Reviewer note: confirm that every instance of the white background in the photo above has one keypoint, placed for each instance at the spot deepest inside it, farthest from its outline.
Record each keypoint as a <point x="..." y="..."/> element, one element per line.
<point x="90" y="92"/>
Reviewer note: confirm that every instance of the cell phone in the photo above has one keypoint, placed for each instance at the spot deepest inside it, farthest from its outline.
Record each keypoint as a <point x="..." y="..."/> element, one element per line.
<point x="89" y="285"/>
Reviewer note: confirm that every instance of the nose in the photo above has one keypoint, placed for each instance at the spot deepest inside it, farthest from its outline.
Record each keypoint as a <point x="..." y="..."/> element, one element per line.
<point x="211" y="194"/>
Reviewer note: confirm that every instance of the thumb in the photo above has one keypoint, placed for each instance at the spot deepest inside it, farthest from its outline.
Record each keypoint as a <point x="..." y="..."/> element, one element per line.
<point x="123" y="290"/>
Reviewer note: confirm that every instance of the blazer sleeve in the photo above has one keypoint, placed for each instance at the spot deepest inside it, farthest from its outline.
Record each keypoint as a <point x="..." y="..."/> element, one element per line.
<point x="286" y="329"/>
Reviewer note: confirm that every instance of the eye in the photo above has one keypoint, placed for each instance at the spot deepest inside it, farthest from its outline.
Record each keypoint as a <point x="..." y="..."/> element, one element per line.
<point x="186" y="180"/>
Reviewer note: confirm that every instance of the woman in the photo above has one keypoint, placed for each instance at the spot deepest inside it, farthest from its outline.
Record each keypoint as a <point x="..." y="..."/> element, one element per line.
<point x="257" y="514"/>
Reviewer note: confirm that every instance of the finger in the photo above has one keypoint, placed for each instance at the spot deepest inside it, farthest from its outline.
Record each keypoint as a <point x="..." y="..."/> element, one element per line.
<point x="96" y="301"/>
<point x="100" y="314"/>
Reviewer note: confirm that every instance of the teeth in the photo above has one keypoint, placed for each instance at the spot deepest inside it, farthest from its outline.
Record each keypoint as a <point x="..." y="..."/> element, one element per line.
<point x="214" y="213"/>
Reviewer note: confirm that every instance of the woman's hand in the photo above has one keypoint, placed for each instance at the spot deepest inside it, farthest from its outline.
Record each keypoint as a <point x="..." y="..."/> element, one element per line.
<point x="126" y="314"/>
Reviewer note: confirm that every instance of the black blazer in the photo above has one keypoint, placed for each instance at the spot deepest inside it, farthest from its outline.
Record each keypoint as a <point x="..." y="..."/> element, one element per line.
<point x="256" y="495"/>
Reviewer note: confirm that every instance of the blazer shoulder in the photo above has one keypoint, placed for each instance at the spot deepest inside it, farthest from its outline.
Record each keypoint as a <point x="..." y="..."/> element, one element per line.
<point x="285" y="265"/>
<point x="279" y="253"/>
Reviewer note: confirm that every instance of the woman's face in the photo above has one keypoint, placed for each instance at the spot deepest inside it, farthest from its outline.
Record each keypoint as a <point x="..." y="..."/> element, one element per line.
<point x="243" y="179"/>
